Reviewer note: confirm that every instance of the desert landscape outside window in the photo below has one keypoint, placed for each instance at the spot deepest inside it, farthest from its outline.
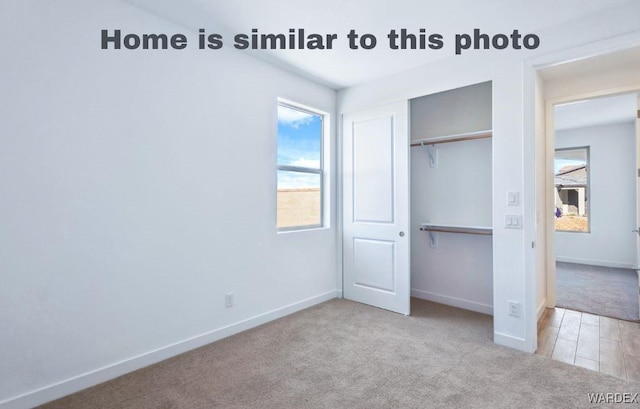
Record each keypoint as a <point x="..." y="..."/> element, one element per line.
<point x="300" y="168"/>
<point x="571" y="170"/>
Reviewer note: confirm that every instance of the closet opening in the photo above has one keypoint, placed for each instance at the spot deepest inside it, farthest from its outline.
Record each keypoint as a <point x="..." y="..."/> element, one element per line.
<point x="451" y="197"/>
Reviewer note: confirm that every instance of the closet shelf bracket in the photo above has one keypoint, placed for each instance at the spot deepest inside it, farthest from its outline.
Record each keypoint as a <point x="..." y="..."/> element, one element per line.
<point x="432" y="152"/>
<point x="433" y="239"/>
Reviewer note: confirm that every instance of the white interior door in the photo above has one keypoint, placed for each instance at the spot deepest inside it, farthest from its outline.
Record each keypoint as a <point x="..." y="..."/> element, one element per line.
<point x="376" y="207"/>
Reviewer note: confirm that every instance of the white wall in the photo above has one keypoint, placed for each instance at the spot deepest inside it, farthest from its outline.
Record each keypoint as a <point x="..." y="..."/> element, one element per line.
<point x="138" y="187"/>
<point x="506" y="71"/>
<point x="457" y="111"/>
<point x="612" y="197"/>
<point x="594" y="82"/>
<point x="457" y="192"/>
<point x="464" y="282"/>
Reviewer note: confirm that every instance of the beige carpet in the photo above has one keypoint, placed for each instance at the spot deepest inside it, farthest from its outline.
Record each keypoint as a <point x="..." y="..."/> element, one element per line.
<point x="342" y="354"/>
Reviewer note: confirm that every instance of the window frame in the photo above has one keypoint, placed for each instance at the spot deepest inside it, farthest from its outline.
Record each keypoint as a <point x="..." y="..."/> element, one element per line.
<point x="301" y="169"/>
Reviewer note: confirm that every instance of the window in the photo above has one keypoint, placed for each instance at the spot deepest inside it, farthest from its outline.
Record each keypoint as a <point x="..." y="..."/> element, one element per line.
<point x="571" y="170"/>
<point x="300" y="168"/>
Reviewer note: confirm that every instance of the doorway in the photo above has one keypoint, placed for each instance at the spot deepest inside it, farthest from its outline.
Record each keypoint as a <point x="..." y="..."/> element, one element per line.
<point x="569" y="85"/>
<point x="595" y="206"/>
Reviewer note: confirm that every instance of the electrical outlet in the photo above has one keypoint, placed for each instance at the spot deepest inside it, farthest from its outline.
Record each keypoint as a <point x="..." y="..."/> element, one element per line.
<point x="514" y="309"/>
<point x="228" y="300"/>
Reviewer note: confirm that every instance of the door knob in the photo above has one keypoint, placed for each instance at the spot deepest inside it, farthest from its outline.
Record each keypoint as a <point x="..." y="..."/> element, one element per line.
<point x="401" y="234"/>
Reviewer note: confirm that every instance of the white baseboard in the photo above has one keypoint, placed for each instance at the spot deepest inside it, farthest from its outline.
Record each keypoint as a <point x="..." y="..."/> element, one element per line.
<point x="453" y="301"/>
<point x="510" y="341"/>
<point x="83" y="381"/>
<point x="599" y="263"/>
<point x="541" y="307"/>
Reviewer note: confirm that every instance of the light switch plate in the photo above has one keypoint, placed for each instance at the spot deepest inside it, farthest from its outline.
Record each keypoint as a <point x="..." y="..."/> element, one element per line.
<point x="513" y="198"/>
<point x="513" y="221"/>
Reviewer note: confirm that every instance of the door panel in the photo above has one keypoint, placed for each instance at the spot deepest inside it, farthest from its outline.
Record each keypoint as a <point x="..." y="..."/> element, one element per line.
<point x="376" y="207"/>
<point x="373" y="170"/>
<point x="373" y="264"/>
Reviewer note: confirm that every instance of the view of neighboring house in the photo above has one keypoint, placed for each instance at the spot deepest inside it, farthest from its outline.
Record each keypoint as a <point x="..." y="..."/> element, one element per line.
<point x="571" y="183"/>
<point x="571" y="190"/>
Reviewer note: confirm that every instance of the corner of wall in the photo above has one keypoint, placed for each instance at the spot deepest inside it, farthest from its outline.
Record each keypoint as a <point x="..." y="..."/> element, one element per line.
<point x="541" y="307"/>
<point x="511" y="342"/>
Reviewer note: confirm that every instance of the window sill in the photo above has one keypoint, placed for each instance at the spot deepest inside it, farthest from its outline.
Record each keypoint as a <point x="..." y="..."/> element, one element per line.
<point x="303" y="229"/>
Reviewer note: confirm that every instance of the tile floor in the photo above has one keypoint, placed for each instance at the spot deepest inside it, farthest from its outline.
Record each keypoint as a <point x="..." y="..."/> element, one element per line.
<point x="598" y="343"/>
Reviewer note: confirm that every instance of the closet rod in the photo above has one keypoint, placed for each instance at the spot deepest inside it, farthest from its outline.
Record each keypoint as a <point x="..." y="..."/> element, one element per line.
<point x="457" y="229"/>
<point x="453" y="138"/>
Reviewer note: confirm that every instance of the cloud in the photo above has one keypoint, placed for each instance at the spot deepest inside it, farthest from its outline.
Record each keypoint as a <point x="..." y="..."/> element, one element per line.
<point x="292" y="117"/>
<point x="306" y="163"/>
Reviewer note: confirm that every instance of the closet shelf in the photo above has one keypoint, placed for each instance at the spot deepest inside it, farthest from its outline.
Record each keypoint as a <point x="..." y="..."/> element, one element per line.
<point x="452" y="228"/>
<point x="453" y="138"/>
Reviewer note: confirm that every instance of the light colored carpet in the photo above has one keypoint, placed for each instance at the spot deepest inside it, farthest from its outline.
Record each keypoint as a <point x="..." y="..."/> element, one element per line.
<point x="609" y="292"/>
<point x="342" y="354"/>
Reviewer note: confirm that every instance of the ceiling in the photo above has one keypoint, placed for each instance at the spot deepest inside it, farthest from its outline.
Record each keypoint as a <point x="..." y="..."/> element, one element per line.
<point x="619" y="60"/>
<point x="341" y="66"/>
<point x="601" y="110"/>
<point x="596" y="111"/>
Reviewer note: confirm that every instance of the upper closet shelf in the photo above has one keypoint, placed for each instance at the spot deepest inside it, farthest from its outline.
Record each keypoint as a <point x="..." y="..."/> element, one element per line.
<point x="452" y="228"/>
<point x="453" y="138"/>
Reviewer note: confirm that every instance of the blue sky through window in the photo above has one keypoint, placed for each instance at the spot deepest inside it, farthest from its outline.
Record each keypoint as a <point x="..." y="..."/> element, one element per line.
<point x="299" y="144"/>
